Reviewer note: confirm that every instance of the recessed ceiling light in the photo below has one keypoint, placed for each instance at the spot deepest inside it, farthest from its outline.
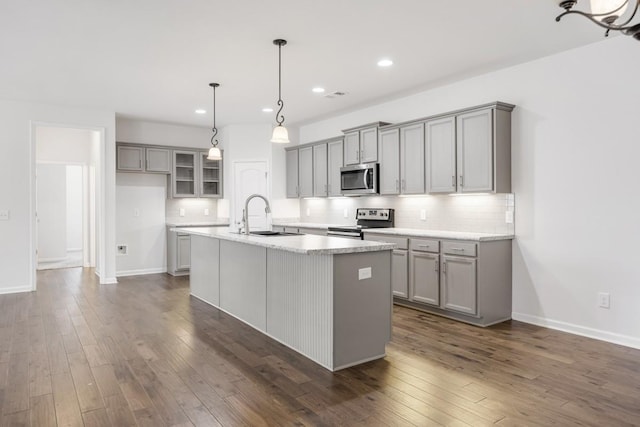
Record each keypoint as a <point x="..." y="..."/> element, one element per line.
<point x="201" y="111"/>
<point x="385" y="63"/>
<point x="267" y="110"/>
<point x="318" y="90"/>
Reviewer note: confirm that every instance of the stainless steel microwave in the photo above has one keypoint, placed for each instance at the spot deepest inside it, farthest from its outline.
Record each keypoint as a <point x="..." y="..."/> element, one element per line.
<point x="359" y="179"/>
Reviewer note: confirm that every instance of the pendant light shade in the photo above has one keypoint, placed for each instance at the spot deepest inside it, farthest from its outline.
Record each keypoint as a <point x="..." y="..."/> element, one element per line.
<point x="214" y="154"/>
<point x="612" y="15"/>
<point x="214" y="151"/>
<point x="280" y="133"/>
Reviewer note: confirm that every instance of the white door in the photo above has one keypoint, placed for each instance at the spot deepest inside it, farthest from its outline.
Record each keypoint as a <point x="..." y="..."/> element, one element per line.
<point x="250" y="177"/>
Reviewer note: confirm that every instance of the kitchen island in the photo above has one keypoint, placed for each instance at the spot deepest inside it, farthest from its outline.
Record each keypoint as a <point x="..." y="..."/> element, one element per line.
<point x="325" y="297"/>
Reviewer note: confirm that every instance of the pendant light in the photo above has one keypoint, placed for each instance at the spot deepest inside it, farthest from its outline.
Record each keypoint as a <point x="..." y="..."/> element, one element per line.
<point x="616" y="15"/>
<point x="280" y="134"/>
<point x="214" y="151"/>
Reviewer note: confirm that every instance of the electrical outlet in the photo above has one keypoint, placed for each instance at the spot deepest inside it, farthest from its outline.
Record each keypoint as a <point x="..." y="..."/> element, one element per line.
<point x="121" y="249"/>
<point x="136" y="212"/>
<point x="423" y="215"/>
<point x="206" y="211"/>
<point x="308" y="211"/>
<point x="508" y="217"/>
<point x="346" y="212"/>
<point x="364" y="273"/>
<point x="182" y="212"/>
<point x="604" y="299"/>
<point x="4" y="215"/>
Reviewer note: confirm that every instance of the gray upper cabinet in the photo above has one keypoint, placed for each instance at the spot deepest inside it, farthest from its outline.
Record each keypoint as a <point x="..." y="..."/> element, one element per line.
<point x="130" y="158"/>
<point x="185" y="173"/>
<point x="412" y="159"/>
<point x="320" y="186"/>
<point x="369" y="145"/>
<point x="305" y="171"/>
<point x="475" y="151"/>
<point x="292" y="173"/>
<point x="361" y="146"/>
<point x="389" y="142"/>
<point x="158" y="160"/>
<point x="210" y="177"/>
<point x="335" y="162"/>
<point x="352" y="148"/>
<point x="441" y="155"/>
<point x="470" y="152"/>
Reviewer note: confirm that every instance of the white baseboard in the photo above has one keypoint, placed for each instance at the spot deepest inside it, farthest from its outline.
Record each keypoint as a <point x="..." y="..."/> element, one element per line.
<point x="108" y="281"/>
<point x="15" y="290"/>
<point x="625" y="340"/>
<point x="52" y="259"/>
<point x="141" y="272"/>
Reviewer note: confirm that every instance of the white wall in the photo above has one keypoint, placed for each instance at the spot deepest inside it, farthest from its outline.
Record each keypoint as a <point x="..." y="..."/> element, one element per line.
<point x="155" y="133"/>
<point x="52" y="212"/>
<point x="575" y="155"/>
<point x="17" y="158"/>
<point x="140" y="223"/>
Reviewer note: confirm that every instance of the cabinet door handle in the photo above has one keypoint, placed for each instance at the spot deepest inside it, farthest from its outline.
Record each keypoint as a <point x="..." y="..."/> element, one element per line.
<point x="404" y="185"/>
<point x="140" y="163"/>
<point x="436" y="264"/>
<point x="461" y="181"/>
<point x="397" y="184"/>
<point x="444" y="267"/>
<point x="453" y="180"/>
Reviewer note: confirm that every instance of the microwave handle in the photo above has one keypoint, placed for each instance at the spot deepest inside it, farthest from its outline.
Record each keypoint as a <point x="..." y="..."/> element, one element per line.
<point x="364" y="179"/>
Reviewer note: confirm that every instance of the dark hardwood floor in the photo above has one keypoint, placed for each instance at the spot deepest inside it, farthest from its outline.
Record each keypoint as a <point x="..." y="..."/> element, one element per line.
<point x="143" y="352"/>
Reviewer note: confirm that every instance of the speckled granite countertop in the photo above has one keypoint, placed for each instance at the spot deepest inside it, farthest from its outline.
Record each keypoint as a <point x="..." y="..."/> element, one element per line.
<point x="304" y="244"/>
<point x="440" y="234"/>
<point x="214" y="223"/>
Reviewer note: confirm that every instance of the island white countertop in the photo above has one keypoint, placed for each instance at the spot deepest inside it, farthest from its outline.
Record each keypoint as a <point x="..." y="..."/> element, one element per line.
<point x="304" y="244"/>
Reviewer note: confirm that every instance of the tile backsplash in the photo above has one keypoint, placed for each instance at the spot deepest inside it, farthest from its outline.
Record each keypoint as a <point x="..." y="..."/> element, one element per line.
<point x="481" y="213"/>
<point x="193" y="210"/>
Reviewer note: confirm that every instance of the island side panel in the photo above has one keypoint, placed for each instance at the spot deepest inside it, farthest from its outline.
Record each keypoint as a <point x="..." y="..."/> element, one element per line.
<point x="362" y="308"/>
<point x="204" y="277"/>
<point x="300" y="303"/>
<point x="243" y="269"/>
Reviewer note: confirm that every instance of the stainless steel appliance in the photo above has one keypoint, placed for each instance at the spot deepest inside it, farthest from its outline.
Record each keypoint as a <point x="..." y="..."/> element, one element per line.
<point x="366" y="218"/>
<point x="359" y="179"/>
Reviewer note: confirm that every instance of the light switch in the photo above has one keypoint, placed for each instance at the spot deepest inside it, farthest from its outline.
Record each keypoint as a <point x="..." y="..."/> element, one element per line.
<point x="308" y="211"/>
<point x="136" y="212"/>
<point x="346" y="212"/>
<point x="181" y="211"/>
<point x="206" y="211"/>
<point x="423" y="215"/>
<point x="4" y="215"/>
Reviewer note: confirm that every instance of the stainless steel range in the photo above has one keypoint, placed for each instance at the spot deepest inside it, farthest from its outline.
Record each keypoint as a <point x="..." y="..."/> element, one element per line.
<point x="366" y="218"/>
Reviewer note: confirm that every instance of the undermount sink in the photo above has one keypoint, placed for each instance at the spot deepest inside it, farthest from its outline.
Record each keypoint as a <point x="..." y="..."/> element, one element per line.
<point x="274" y="233"/>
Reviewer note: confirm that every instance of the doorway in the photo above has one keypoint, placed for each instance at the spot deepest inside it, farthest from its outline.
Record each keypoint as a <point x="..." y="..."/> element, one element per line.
<point x="65" y="234"/>
<point x="250" y="177"/>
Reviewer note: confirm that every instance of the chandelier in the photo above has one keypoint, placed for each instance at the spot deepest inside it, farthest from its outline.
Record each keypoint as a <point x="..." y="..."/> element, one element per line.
<point x="611" y="15"/>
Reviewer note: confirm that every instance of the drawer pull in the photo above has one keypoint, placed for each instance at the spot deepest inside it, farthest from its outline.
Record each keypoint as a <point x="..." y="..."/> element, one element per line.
<point x="423" y="246"/>
<point x="457" y="249"/>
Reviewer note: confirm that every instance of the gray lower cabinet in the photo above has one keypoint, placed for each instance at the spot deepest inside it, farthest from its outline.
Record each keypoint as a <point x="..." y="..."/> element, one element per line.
<point x="178" y="253"/>
<point x="459" y="282"/>
<point x="466" y="281"/>
<point x="292" y="173"/>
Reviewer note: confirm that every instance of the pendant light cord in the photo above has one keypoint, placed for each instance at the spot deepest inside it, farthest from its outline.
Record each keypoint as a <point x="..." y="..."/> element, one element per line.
<point x="280" y="117"/>
<point x="214" y="129"/>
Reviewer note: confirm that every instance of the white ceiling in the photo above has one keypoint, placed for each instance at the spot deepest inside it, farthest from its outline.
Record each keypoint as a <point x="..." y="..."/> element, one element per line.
<point x="154" y="59"/>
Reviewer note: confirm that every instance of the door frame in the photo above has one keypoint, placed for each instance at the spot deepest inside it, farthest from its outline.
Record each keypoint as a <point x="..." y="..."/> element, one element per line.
<point x="100" y="197"/>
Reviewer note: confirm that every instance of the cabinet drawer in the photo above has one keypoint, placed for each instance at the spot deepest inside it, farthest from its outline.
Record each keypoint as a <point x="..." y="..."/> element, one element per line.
<point x="400" y="241"/>
<point x="424" y="245"/>
<point x="459" y="248"/>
